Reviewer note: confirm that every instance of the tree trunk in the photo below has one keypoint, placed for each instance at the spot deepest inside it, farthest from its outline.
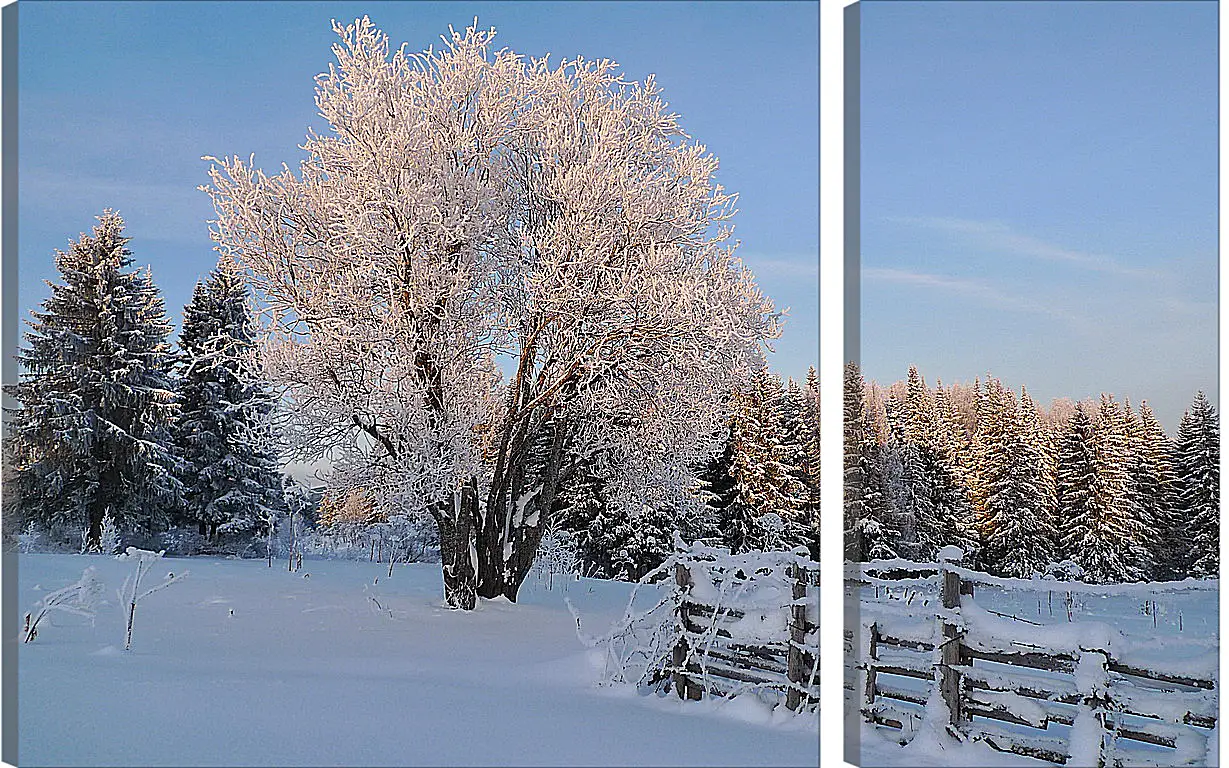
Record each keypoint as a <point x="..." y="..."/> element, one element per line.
<point x="456" y="530"/>
<point x="544" y="488"/>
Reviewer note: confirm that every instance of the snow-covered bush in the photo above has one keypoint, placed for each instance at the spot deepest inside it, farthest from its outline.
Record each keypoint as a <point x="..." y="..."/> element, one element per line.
<point x="406" y="538"/>
<point x="183" y="542"/>
<point x="558" y="555"/>
<point x="130" y="593"/>
<point x="1067" y="570"/>
<point x="81" y="598"/>
<point x="772" y="530"/>
<point x="29" y="540"/>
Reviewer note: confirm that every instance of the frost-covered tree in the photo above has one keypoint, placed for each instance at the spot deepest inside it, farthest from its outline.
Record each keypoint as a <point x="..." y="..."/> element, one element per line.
<point x="1017" y="530"/>
<point x="868" y="533"/>
<point x="90" y="438"/>
<point x="1153" y="483"/>
<point x="1073" y="489"/>
<point x="225" y="436"/>
<point x="466" y="207"/>
<point x="1197" y="505"/>
<point x="765" y="470"/>
<point x="1106" y="540"/>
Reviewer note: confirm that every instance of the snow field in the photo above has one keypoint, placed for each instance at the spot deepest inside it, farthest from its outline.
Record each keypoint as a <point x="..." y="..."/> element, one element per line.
<point x="240" y="664"/>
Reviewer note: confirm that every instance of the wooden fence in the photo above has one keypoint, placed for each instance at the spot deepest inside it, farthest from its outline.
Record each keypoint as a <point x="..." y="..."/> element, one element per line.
<point x="1027" y="686"/>
<point x="711" y="655"/>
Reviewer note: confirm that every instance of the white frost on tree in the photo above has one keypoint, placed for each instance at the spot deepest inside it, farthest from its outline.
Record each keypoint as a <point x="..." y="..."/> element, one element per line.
<point x="467" y="209"/>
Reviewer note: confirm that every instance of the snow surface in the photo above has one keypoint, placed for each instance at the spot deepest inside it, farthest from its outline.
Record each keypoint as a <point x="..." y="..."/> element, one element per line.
<point x="879" y="747"/>
<point x="241" y="664"/>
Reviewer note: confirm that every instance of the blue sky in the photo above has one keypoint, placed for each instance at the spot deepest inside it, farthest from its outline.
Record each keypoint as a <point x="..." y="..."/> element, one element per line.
<point x="118" y="102"/>
<point x="1039" y="196"/>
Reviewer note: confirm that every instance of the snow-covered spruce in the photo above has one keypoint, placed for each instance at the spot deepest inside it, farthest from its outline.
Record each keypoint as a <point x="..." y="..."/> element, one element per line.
<point x="225" y="434"/>
<point x="91" y="436"/>
<point x="1196" y="461"/>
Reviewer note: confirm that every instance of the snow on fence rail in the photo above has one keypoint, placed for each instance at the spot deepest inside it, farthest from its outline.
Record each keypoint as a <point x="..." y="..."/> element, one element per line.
<point x="984" y="676"/>
<point x="723" y="624"/>
<point x="746" y="622"/>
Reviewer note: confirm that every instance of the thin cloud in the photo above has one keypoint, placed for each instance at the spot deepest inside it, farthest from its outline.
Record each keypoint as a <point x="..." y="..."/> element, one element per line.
<point x="1001" y="237"/>
<point x="973" y="289"/>
<point x="775" y="266"/>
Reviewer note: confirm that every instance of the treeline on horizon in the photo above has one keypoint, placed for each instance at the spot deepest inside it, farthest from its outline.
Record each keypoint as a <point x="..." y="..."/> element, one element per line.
<point x="1083" y="490"/>
<point x="122" y="438"/>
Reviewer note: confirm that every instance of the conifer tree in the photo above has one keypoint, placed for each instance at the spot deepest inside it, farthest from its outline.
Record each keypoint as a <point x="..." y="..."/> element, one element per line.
<point x="868" y="536"/>
<point x="1107" y="540"/>
<point x="991" y="483"/>
<point x="810" y="396"/>
<point x="953" y="513"/>
<point x="717" y="487"/>
<point x="907" y="485"/>
<point x="584" y="512"/>
<point x="800" y="452"/>
<point x="1153" y="483"/>
<point x="1016" y="527"/>
<point x="225" y="434"/>
<point x="1073" y="489"/>
<point x="1025" y="540"/>
<point x="1197" y="505"/>
<point x="766" y="480"/>
<point x="919" y="417"/>
<point x="90" y="438"/>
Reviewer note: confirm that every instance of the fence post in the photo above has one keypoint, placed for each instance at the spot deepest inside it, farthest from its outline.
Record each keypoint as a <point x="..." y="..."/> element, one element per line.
<point x="796" y="658"/>
<point x="872" y="655"/>
<point x="949" y="648"/>
<point x="682" y="684"/>
<point x="1092" y="679"/>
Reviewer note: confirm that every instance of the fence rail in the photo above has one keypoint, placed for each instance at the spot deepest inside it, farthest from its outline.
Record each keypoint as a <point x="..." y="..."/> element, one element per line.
<point x="985" y="681"/>
<point x="713" y="655"/>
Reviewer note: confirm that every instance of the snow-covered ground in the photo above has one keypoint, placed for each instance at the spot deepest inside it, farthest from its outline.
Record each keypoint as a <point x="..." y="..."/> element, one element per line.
<point x="240" y="664"/>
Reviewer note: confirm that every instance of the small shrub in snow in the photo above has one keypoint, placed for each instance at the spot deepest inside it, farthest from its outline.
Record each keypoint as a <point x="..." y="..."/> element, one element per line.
<point x="183" y="542"/>
<point x="109" y="541"/>
<point x="558" y="555"/>
<point x="649" y="647"/>
<point x="80" y="598"/>
<point x="28" y="540"/>
<point x="130" y="593"/>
